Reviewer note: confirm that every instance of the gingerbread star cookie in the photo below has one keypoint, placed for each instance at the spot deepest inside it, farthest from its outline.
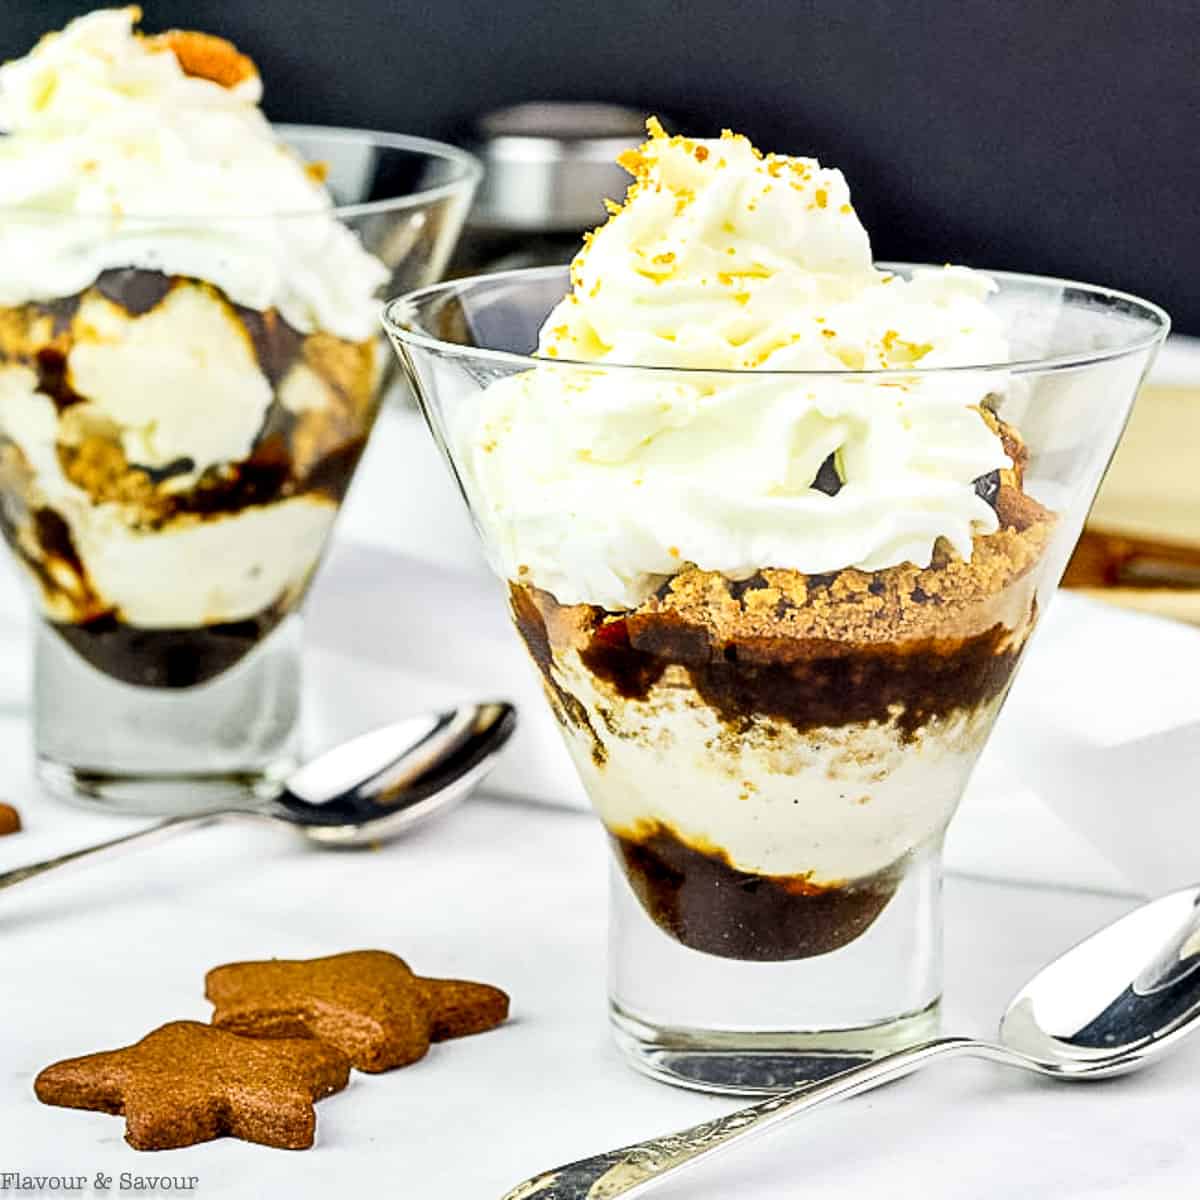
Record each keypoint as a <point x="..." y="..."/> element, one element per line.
<point x="367" y="1003"/>
<point x="10" y="820"/>
<point x="188" y="1083"/>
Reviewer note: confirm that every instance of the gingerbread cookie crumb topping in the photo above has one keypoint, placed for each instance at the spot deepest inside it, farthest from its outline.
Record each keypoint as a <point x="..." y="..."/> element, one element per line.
<point x="206" y="56"/>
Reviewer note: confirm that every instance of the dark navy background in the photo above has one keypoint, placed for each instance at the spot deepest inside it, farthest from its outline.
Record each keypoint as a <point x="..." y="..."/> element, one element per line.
<point x="1058" y="136"/>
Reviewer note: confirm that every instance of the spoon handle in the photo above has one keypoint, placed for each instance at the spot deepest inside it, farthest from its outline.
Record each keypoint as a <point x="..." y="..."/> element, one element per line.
<point x="111" y="848"/>
<point x="635" y="1170"/>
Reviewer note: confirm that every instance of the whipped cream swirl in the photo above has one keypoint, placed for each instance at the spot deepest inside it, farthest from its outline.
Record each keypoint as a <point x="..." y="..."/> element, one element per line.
<point x="596" y="484"/>
<point x="115" y="157"/>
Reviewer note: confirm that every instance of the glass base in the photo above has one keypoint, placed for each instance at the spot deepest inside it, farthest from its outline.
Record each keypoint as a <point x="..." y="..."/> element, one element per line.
<point x="760" y="1063"/>
<point x="159" y="795"/>
<point x="746" y="1028"/>
<point x="110" y="745"/>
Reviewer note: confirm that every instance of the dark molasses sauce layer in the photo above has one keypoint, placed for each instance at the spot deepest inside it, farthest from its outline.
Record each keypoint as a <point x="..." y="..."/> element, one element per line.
<point x="704" y="902"/>
<point x="167" y="658"/>
<point x="810" y="682"/>
<point x="268" y="476"/>
<point x="51" y="531"/>
<point x="137" y="290"/>
<point x="532" y="627"/>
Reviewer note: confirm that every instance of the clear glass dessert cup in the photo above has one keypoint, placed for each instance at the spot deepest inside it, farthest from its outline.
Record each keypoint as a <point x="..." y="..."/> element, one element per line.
<point x="172" y="464"/>
<point x="776" y="757"/>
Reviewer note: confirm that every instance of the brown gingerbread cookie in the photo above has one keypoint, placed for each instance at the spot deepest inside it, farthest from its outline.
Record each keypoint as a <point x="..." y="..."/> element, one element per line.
<point x="188" y="1083"/>
<point x="10" y="820"/>
<point x="367" y="1003"/>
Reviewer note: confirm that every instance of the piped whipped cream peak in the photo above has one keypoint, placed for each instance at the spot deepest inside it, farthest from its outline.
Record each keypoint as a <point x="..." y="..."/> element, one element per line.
<point x="157" y="145"/>
<point x="596" y="485"/>
<point x="725" y="257"/>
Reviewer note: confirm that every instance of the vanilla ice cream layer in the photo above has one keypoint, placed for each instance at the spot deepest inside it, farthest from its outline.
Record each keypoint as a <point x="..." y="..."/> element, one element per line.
<point x="187" y="575"/>
<point x="115" y="157"/>
<point x="225" y="568"/>
<point x="180" y="382"/>
<point x="596" y="480"/>
<point x="834" y="804"/>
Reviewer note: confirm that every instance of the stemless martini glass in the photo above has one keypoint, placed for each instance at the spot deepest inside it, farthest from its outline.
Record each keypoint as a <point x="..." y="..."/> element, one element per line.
<point x="776" y="758"/>
<point x="169" y="534"/>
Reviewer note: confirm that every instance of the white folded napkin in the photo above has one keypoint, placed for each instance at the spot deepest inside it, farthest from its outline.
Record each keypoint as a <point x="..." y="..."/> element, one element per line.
<point x="388" y="634"/>
<point x="1101" y="740"/>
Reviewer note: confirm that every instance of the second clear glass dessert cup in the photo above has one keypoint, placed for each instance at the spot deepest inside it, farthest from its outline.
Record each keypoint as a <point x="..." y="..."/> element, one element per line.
<point x="774" y="753"/>
<point x="173" y="460"/>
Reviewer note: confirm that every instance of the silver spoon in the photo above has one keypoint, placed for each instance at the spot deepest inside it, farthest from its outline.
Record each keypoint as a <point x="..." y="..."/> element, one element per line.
<point x="1107" y="1006"/>
<point x="370" y="788"/>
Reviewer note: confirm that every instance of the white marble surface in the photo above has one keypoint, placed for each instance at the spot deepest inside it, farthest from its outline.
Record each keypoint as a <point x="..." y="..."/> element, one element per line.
<point x="515" y="894"/>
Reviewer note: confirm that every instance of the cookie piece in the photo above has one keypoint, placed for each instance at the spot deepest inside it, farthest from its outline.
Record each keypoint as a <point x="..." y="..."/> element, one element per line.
<point x="10" y="820"/>
<point x="206" y="56"/>
<point x="188" y="1083"/>
<point x="367" y="1003"/>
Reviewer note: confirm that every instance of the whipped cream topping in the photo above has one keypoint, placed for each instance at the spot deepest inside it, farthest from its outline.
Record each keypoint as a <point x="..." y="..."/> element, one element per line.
<point x="596" y="484"/>
<point x="115" y="157"/>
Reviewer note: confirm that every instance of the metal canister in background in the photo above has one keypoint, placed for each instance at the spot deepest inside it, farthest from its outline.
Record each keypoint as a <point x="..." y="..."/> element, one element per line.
<point x="548" y="167"/>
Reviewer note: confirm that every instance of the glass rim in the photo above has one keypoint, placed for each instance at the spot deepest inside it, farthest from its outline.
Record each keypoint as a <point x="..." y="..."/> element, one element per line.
<point x="470" y="172"/>
<point x="1157" y="317"/>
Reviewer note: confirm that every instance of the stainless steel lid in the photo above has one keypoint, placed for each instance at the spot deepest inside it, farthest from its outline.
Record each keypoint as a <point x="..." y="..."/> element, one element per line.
<point x="549" y="165"/>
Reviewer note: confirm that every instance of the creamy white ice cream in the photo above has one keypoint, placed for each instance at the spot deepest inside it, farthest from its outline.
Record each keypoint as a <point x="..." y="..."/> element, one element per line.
<point x="181" y="382"/>
<point x="229" y="567"/>
<point x="596" y="483"/>
<point x="832" y="805"/>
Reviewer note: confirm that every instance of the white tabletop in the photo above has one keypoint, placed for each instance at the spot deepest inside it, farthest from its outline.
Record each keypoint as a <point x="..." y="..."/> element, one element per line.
<point x="515" y="894"/>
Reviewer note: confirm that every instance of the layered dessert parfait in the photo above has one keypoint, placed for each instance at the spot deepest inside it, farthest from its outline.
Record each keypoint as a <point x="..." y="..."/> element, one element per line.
<point x="775" y="578"/>
<point x="188" y="364"/>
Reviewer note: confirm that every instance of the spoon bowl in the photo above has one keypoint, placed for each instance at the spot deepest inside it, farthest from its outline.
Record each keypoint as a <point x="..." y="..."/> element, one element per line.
<point x="402" y="774"/>
<point x="1118" y="998"/>
<point x="361" y="792"/>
